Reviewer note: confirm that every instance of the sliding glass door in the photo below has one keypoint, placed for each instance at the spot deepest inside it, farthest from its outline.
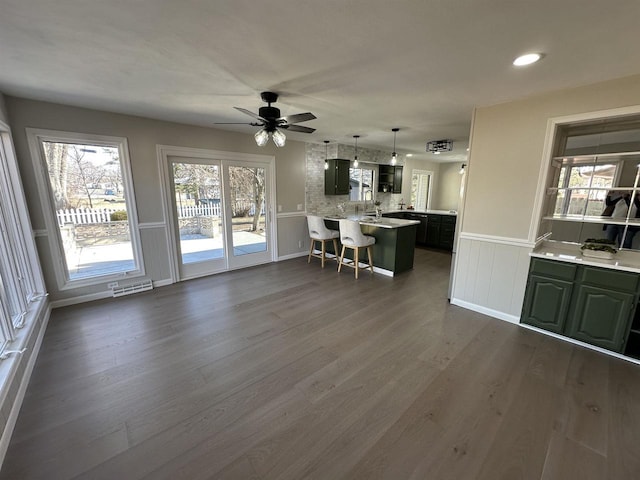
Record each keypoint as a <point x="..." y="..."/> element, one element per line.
<point x="220" y="214"/>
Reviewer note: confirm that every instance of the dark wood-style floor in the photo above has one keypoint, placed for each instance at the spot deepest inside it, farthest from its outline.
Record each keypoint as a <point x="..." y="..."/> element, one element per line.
<point x="287" y="371"/>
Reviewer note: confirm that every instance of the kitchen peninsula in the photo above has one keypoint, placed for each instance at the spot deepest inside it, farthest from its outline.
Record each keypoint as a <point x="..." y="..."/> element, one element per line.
<point x="395" y="241"/>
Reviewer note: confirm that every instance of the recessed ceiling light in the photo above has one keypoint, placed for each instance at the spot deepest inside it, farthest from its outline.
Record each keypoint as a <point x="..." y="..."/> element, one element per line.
<point x="527" y="59"/>
<point x="409" y="154"/>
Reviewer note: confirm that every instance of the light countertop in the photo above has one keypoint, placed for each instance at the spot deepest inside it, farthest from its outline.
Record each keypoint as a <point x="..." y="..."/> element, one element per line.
<point x="435" y="212"/>
<point x="571" y="253"/>
<point x="383" y="222"/>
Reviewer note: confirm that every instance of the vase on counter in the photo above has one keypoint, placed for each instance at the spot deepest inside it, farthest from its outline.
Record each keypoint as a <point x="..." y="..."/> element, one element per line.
<point x="378" y="212"/>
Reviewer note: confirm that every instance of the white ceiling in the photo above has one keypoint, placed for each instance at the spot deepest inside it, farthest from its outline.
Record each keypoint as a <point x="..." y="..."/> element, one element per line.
<point x="361" y="66"/>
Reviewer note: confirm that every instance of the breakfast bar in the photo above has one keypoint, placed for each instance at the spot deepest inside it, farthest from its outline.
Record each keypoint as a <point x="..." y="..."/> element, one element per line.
<point x="395" y="241"/>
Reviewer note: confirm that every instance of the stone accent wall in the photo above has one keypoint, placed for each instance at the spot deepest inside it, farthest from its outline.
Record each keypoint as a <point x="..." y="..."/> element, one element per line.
<point x="317" y="203"/>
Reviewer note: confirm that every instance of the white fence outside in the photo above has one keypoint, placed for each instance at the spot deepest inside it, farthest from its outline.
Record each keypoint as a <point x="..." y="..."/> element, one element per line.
<point x="83" y="216"/>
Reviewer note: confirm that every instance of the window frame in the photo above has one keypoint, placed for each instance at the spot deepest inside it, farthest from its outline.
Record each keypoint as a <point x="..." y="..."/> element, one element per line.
<point x="374" y="179"/>
<point x="35" y="138"/>
<point x="24" y="286"/>
<point x="567" y="178"/>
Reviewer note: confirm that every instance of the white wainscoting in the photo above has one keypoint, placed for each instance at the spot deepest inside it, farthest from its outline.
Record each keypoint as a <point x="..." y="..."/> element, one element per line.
<point x="490" y="275"/>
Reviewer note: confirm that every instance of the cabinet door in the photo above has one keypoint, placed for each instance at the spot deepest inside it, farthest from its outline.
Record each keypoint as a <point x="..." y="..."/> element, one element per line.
<point x="433" y="234"/>
<point x="601" y="317"/>
<point x="421" y="233"/>
<point x="447" y="234"/>
<point x="397" y="180"/>
<point x="342" y="179"/>
<point x="336" y="177"/>
<point x="546" y="303"/>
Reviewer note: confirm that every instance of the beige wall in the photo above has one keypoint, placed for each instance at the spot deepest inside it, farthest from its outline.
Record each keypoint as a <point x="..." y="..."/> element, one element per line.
<point x="449" y="181"/>
<point x="445" y="194"/>
<point x="143" y="135"/>
<point x="3" y="110"/>
<point x="507" y="148"/>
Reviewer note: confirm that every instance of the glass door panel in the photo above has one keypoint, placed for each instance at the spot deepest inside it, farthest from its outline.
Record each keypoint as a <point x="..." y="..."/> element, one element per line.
<point x="247" y="214"/>
<point x="199" y="216"/>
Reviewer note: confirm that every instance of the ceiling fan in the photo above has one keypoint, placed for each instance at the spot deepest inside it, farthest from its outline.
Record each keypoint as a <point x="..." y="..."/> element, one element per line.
<point x="269" y="118"/>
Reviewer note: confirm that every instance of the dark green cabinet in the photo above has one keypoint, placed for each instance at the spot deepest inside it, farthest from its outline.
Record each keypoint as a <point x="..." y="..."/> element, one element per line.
<point x="421" y="233"/>
<point x="546" y="303"/>
<point x="440" y="231"/>
<point x="601" y="317"/>
<point x="435" y="230"/>
<point x="591" y="304"/>
<point x="336" y="177"/>
<point x="390" y="179"/>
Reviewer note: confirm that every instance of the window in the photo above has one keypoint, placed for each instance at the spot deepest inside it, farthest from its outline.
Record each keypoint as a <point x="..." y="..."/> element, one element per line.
<point x="88" y="202"/>
<point x="21" y="283"/>
<point x="591" y="160"/>
<point x="420" y="189"/>
<point x="583" y="185"/>
<point x="361" y="184"/>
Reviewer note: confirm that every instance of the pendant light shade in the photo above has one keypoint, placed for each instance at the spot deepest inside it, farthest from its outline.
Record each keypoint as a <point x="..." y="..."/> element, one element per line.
<point x="326" y="164"/>
<point x="394" y="155"/>
<point x="279" y="138"/>
<point x="355" y="159"/>
<point x="262" y="137"/>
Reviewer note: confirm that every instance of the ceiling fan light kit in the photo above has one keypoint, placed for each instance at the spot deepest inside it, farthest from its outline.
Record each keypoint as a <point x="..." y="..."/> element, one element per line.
<point x="438" y="146"/>
<point x="272" y="123"/>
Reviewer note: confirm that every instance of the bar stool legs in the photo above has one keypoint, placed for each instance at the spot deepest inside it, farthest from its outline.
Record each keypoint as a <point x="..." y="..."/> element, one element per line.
<point x="323" y="255"/>
<point x="352" y="237"/>
<point x="355" y="264"/>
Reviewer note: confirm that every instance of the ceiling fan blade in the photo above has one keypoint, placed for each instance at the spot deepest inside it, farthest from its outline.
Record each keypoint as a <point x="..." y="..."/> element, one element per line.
<point x="298" y="117"/>
<point x="239" y="123"/>
<point x="298" y="128"/>
<point x="251" y="114"/>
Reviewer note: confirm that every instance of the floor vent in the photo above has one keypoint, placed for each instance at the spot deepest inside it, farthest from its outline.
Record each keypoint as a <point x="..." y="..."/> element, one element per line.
<point x="134" y="288"/>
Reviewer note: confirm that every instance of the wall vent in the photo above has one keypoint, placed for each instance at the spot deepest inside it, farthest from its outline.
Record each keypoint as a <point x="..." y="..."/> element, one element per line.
<point x="133" y="288"/>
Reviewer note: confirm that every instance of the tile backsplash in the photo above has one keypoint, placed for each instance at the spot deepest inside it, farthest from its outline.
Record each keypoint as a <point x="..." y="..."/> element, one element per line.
<point x="318" y="203"/>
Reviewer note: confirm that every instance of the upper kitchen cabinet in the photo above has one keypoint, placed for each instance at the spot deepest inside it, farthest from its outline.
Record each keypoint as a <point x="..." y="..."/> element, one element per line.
<point x="390" y="178"/>
<point x="336" y="177"/>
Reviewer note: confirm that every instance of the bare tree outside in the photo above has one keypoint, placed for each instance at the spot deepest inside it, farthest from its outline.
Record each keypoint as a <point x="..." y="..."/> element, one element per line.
<point x="91" y="210"/>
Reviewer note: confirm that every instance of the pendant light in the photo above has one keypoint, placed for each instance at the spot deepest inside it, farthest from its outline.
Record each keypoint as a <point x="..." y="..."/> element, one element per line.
<point x="394" y="155"/>
<point x="355" y="159"/>
<point x="326" y="164"/>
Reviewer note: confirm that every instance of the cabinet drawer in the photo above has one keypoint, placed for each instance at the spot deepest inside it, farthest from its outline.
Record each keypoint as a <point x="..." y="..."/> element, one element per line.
<point x="450" y="219"/>
<point x="434" y="218"/>
<point x="612" y="279"/>
<point x="561" y="270"/>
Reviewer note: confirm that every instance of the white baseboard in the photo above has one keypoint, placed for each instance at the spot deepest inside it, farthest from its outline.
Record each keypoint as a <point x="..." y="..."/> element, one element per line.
<point x="64" y="302"/>
<point x="293" y="255"/>
<point x="162" y="283"/>
<point x="486" y="311"/>
<point x="582" y="344"/>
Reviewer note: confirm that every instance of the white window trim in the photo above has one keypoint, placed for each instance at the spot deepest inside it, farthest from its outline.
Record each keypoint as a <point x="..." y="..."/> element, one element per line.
<point x="26" y="285"/>
<point x="553" y="124"/>
<point x="35" y="138"/>
<point x="429" y="173"/>
<point x="163" y="152"/>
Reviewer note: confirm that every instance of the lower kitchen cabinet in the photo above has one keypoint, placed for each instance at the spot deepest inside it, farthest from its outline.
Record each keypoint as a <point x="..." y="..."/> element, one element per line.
<point x="546" y="303"/>
<point x="601" y="317"/>
<point x="591" y="304"/>
<point x="435" y="230"/>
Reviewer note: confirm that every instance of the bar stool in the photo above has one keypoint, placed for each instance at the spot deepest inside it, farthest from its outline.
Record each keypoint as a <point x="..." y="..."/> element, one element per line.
<point x="351" y="236"/>
<point x="318" y="232"/>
